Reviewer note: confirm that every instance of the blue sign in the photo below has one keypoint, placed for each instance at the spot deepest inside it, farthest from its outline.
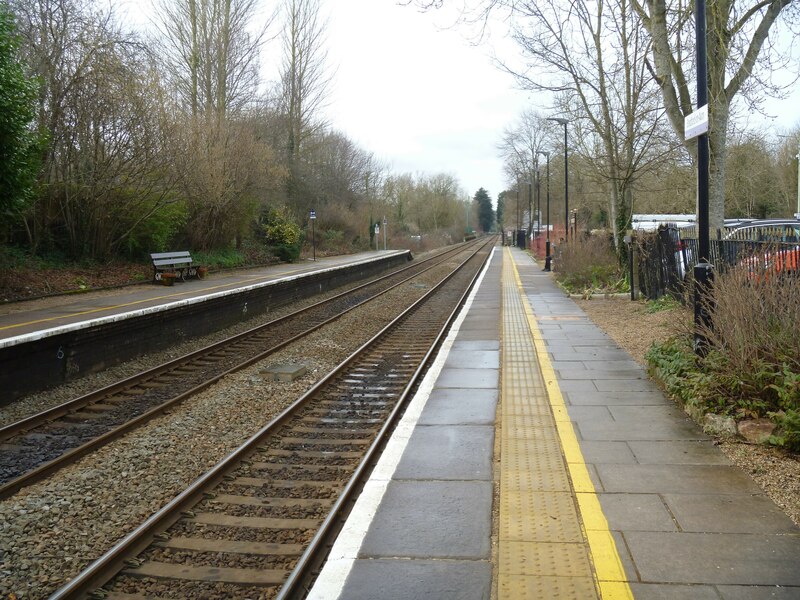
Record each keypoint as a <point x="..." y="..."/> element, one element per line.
<point x="313" y="215"/>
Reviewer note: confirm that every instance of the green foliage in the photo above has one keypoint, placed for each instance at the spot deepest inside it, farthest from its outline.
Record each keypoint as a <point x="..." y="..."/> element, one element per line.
<point x="281" y="234"/>
<point x="665" y="302"/>
<point x="19" y="143"/>
<point x="486" y="218"/>
<point x="156" y="232"/>
<point x="249" y="254"/>
<point x="788" y="434"/>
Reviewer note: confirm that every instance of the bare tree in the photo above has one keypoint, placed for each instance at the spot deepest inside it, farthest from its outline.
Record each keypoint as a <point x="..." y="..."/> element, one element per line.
<point x="520" y="147"/>
<point x="210" y="50"/>
<point x="304" y="80"/>
<point x="740" y="58"/>
<point x="591" y="54"/>
<point x="100" y="108"/>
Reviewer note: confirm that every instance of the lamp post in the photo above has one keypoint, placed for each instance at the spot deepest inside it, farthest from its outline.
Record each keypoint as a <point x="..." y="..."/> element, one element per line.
<point x="529" y="232"/>
<point x="385" y="223"/>
<point x="547" y="258"/>
<point x="313" y="217"/>
<point x="797" y="214"/>
<point x="538" y="199"/>
<point x="564" y="122"/>
<point x="516" y="232"/>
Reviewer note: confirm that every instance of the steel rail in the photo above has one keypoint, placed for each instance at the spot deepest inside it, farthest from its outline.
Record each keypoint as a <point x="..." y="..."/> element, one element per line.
<point x="109" y="564"/>
<point x="44" y="470"/>
<point x="338" y="511"/>
<point x="45" y="416"/>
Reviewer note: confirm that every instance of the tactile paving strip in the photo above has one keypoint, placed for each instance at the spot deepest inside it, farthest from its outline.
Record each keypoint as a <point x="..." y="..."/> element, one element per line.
<point x="543" y="551"/>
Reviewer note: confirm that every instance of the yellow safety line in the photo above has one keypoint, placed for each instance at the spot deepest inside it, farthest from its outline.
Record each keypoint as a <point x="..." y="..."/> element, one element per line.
<point x="116" y="306"/>
<point x="611" y="579"/>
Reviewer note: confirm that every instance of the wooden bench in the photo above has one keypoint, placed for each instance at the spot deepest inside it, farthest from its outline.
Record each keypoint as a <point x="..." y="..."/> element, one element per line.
<point x="179" y="263"/>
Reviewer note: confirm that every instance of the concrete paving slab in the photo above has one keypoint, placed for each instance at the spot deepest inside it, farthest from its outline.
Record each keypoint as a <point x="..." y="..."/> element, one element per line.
<point x="710" y="558"/>
<point x="450" y="406"/>
<point x="653" y="430"/>
<point x="637" y="414"/>
<point x="691" y="452"/>
<point x="729" y="513"/>
<point x="676" y="479"/>
<point x="577" y="385"/>
<point x="663" y="591"/>
<point x="477" y="359"/>
<point x="432" y="519"/>
<point x="468" y="378"/>
<point x="620" y="385"/>
<point x="607" y="452"/>
<point x="448" y="453"/>
<point x="460" y="344"/>
<point x="766" y="592"/>
<point x="626" y="375"/>
<point x="591" y="413"/>
<point x="584" y="397"/>
<point x="636" y="512"/>
<point x="388" y="579"/>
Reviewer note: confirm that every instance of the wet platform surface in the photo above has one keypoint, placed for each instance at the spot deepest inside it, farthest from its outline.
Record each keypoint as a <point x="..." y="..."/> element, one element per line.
<point x="539" y="461"/>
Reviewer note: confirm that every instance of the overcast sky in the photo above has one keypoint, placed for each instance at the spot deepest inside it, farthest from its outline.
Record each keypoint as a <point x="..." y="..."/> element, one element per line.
<point x="420" y="97"/>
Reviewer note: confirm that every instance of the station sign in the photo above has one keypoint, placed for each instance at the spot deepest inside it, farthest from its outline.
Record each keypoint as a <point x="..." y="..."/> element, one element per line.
<point x="696" y="123"/>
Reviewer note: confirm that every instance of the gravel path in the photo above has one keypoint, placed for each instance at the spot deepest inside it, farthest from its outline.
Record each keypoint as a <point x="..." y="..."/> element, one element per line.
<point x="46" y="536"/>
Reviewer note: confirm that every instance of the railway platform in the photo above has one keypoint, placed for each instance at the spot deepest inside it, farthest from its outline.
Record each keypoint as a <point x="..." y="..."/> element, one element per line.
<point x="53" y="341"/>
<point x="29" y="318"/>
<point x="538" y="460"/>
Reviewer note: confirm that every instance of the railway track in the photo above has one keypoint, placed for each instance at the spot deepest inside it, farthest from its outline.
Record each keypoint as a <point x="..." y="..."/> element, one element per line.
<point x="34" y="448"/>
<point x="258" y="523"/>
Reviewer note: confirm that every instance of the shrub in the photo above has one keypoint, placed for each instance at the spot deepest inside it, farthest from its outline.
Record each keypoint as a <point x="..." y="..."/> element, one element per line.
<point x="280" y="234"/>
<point x="752" y="368"/>
<point x="589" y="265"/>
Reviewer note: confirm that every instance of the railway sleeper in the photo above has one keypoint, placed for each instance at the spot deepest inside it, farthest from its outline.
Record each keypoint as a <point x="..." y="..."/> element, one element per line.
<point x="333" y="431"/>
<point x="272" y="502"/>
<point x="252" y="577"/>
<point x="319" y="441"/>
<point x="81" y="417"/>
<point x="284" y="483"/>
<point x="231" y="546"/>
<point x="99" y="407"/>
<point x="223" y="520"/>
<point x="315" y="454"/>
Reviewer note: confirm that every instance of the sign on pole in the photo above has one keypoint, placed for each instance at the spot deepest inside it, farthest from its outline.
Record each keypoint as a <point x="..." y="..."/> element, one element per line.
<point x="696" y="123"/>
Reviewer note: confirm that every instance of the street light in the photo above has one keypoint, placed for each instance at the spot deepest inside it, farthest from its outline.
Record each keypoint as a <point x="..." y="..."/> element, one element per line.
<point x="547" y="243"/>
<point x="564" y="122"/>
<point x="313" y="217"/>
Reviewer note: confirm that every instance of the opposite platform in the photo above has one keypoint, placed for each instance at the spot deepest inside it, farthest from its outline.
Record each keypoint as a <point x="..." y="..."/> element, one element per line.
<point x="30" y="317"/>
<point x="604" y="488"/>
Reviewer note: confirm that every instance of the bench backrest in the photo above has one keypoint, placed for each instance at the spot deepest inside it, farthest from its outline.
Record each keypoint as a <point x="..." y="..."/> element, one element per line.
<point x="182" y="256"/>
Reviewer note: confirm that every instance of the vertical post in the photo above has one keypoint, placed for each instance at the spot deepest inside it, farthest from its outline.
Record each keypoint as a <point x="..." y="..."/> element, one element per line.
<point x="385" y="223"/>
<point x="566" y="183"/>
<point x="313" y="217"/>
<point x="377" y="236"/>
<point x="703" y="275"/>
<point x="538" y="201"/>
<point x="547" y="258"/>
<point x="797" y="214"/>
<point x="529" y="233"/>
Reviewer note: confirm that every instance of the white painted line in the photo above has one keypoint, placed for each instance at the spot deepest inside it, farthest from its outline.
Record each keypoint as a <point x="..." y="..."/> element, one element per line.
<point x="45" y="333"/>
<point x="331" y="580"/>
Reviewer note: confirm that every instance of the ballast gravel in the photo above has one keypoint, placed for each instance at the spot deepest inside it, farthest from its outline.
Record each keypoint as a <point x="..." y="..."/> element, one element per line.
<point x="52" y="530"/>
